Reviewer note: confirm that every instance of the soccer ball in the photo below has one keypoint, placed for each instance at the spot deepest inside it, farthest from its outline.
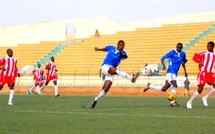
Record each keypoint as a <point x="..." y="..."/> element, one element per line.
<point x="171" y="97"/>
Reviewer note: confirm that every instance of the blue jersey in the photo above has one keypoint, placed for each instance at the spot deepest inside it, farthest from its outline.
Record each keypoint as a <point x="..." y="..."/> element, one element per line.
<point x="114" y="57"/>
<point x="175" y="60"/>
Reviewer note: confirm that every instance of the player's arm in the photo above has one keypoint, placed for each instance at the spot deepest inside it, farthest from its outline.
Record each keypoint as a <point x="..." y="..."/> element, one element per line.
<point x="185" y="71"/>
<point x="48" y="66"/>
<point x="123" y="55"/>
<point x="16" y="70"/>
<point x="163" y="64"/>
<point x="184" y="61"/>
<point x="99" y="49"/>
<point x="167" y="55"/>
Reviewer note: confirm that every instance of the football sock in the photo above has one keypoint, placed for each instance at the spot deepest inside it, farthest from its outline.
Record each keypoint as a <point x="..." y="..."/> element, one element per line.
<point x="38" y="89"/>
<point x="101" y="94"/>
<point x="193" y="97"/>
<point x="156" y="87"/>
<point x="173" y="101"/>
<point x="11" y="94"/>
<point x="56" y="89"/>
<point x="209" y="93"/>
<point x="173" y="90"/>
<point x="42" y="87"/>
<point x="30" y="90"/>
<point x="124" y="74"/>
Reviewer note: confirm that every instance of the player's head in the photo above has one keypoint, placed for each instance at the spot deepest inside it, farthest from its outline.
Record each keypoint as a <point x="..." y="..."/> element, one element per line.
<point x="10" y="52"/>
<point x="52" y="58"/>
<point x="120" y="45"/>
<point x="179" y="47"/>
<point x="38" y="65"/>
<point x="210" y="46"/>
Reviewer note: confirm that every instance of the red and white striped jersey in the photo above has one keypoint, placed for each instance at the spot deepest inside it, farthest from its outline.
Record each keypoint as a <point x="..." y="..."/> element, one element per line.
<point x="51" y="66"/>
<point x="38" y="74"/>
<point x="207" y="59"/>
<point x="9" y="66"/>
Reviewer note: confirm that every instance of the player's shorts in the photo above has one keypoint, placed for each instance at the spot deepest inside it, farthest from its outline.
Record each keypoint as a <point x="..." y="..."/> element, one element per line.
<point x="7" y="80"/>
<point x="170" y="77"/>
<point x="39" y="83"/>
<point x="106" y="75"/>
<point x="204" y="78"/>
<point x="52" y="78"/>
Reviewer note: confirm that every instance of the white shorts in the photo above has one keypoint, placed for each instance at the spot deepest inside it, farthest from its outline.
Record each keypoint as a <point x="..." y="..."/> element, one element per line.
<point x="106" y="75"/>
<point x="170" y="77"/>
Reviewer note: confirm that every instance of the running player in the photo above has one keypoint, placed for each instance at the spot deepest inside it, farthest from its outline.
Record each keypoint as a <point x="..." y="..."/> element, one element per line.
<point x="38" y="78"/>
<point x="176" y="59"/>
<point x="109" y="68"/>
<point x="206" y="61"/>
<point x="8" y="65"/>
<point x="51" y="75"/>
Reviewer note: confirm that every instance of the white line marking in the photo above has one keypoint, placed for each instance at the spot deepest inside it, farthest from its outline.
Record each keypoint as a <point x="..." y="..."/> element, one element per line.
<point x="112" y="114"/>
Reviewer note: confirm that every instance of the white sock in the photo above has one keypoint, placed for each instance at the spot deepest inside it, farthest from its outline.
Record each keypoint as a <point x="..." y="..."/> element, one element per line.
<point x="30" y="90"/>
<point x="124" y="74"/>
<point x="38" y="90"/>
<point x="101" y="94"/>
<point x="193" y="97"/>
<point x="209" y="93"/>
<point x="56" y="89"/>
<point x="41" y="89"/>
<point x="11" y="94"/>
<point x="159" y="88"/>
<point x="173" y="90"/>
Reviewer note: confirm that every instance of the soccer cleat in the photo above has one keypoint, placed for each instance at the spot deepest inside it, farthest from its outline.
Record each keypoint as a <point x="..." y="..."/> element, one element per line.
<point x="10" y="103"/>
<point x="29" y="92"/>
<point x="57" y="95"/>
<point x="135" y="76"/>
<point x="93" y="104"/>
<point x="147" y="87"/>
<point x="174" y="104"/>
<point x="189" y="105"/>
<point x="205" y="102"/>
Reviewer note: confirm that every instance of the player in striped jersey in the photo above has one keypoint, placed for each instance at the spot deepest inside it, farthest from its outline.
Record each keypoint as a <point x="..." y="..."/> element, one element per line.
<point x="206" y="61"/>
<point x="38" y="78"/>
<point x="52" y="75"/>
<point x="109" y="68"/>
<point x="8" y="65"/>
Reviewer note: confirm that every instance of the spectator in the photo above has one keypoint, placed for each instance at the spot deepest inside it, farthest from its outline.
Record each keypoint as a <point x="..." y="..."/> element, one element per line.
<point x="97" y="33"/>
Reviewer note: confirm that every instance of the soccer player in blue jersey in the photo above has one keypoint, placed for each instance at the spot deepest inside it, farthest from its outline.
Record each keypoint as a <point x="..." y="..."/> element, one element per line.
<point x="176" y="58"/>
<point x="109" y="67"/>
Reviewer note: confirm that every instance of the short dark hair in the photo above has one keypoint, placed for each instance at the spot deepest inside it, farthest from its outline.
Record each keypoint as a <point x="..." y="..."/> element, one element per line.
<point x="211" y="43"/>
<point x="122" y="41"/>
<point x="180" y="44"/>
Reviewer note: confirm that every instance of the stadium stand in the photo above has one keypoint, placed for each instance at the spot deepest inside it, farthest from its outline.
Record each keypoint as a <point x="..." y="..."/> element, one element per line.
<point x="145" y="45"/>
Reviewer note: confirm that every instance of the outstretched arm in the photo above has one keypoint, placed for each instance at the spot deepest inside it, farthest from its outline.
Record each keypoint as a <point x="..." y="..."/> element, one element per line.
<point x="99" y="49"/>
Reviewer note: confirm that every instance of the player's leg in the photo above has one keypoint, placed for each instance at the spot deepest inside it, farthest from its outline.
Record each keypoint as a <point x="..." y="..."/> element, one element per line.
<point x="43" y="86"/>
<point x="37" y="91"/>
<point x="157" y="87"/>
<point x="204" y="98"/>
<point x="210" y="80"/>
<point x="132" y="78"/>
<point x="56" y="90"/>
<point x="11" y="94"/>
<point x="30" y="90"/>
<point x="107" y="84"/>
<point x="173" y="93"/>
<point x="194" y="96"/>
<point x="201" y="80"/>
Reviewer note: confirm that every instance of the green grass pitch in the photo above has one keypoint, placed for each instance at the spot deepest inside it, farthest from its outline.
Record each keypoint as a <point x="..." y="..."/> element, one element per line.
<point x="71" y="114"/>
